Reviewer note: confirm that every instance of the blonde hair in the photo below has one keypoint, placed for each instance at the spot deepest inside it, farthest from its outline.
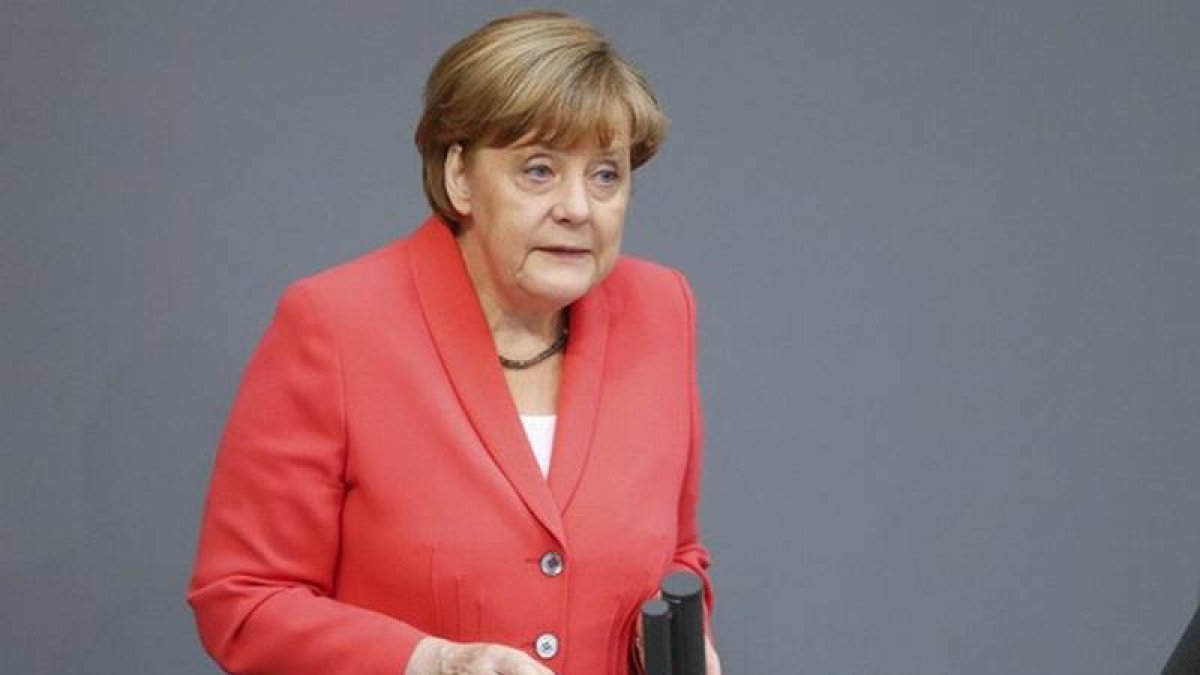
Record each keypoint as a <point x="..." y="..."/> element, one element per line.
<point x="540" y="73"/>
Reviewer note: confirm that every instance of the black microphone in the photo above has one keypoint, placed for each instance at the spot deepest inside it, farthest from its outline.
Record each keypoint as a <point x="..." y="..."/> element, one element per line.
<point x="1185" y="660"/>
<point x="656" y="637"/>
<point x="684" y="592"/>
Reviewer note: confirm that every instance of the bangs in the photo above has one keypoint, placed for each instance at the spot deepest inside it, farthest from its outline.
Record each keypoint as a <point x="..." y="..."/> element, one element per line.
<point x="564" y="103"/>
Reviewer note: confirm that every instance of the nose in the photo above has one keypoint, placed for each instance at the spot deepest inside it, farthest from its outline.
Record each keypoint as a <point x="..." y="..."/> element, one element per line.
<point x="573" y="205"/>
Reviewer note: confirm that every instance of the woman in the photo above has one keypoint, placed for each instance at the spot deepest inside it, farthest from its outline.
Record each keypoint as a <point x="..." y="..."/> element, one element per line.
<point x="476" y="449"/>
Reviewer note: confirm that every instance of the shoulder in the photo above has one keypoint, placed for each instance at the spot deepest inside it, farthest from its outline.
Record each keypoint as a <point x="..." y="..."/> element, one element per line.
<point x="371" y="271"/>
<point x="640" y="287"/>
<point x="370" y="284"/>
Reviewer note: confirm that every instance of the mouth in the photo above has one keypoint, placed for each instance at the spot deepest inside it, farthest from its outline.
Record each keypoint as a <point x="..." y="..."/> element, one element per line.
<point x="565" y="251"/>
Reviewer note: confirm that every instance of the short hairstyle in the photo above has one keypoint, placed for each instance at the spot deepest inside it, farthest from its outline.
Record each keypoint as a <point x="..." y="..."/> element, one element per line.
<point x="542" y="73"/>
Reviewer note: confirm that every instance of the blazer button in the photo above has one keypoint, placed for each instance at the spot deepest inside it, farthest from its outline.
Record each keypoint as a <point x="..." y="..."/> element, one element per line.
<point x="552" y="564"/>
<point x="546" y="645"/>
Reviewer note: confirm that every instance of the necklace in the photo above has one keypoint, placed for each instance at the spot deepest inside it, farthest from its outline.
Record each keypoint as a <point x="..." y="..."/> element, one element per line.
<point x="521" y="364"/>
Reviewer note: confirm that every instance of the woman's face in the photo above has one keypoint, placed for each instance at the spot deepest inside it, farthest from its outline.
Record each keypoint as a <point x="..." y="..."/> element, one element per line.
<point x="542" y="225"/>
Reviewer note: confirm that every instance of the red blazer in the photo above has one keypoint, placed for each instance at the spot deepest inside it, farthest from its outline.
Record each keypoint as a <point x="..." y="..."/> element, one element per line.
<point x="374" y="484"/>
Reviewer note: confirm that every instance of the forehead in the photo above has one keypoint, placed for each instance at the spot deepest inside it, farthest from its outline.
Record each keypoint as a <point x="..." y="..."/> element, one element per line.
<point x="592" y="142"/>
<point x="616" y="146"/>
<point x="594" y="121"/>
<point x="586" y="147"/>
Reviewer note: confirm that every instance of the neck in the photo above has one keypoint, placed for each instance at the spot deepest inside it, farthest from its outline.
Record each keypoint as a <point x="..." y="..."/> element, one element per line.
<point x="520" y="334"/>
<point x="518" y="329"/>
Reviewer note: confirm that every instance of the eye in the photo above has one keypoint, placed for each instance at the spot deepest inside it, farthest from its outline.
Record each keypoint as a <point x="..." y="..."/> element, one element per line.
<point x="608" y="177"/>
<point x="539" y="172"/>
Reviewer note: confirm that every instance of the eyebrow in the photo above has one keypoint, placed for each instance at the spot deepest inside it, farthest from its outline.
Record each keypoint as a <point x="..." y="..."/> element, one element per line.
<point x="611" y="152"/>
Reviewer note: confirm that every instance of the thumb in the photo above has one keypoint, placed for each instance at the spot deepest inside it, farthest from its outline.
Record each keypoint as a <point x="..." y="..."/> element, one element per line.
<point x="516" y="662"/>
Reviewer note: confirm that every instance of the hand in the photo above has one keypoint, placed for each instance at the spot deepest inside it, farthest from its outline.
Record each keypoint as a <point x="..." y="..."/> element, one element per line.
<point x="712" y="664"/>
<point x="435" y="656"/>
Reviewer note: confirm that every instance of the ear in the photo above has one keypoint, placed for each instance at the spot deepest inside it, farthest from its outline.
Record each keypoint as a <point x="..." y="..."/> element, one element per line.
<point x="455" y="178"/>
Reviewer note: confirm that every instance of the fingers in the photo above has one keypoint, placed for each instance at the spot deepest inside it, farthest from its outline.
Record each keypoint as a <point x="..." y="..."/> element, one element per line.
<point x="516" y="662"/>
<point x="486" y="659"/>
<point x="712" y="663"/>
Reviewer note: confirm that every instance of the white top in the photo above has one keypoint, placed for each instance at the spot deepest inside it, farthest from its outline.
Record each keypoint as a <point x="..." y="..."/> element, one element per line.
<point x="540" y="430"/>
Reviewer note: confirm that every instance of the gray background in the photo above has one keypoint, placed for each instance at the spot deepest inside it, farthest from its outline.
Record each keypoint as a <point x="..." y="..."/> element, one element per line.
<point x="947" y="256"/>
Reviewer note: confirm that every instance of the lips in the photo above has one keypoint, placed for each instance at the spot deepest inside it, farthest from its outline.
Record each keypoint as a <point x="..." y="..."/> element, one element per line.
<point x="564" y="250"/>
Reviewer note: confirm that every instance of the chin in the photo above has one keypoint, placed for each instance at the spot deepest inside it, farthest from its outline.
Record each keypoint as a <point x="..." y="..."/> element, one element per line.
<point x="561" y="292"/>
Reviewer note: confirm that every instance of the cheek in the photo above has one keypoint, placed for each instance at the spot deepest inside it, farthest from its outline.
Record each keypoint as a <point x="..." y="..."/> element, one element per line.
<point x="510" y="234"/>
<point x="609" y="229"/>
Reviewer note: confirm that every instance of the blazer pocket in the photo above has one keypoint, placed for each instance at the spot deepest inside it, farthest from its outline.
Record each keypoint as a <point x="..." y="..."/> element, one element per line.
<point x="623" y="628"/>
<point x="657" y="545"/>
<point x="459" y="606"/>
<point x="445" y="588"/>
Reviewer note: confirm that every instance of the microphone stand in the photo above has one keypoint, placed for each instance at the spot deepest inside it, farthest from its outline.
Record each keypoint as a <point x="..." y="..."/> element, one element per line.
<point x="673" y="628"/>
<point x="1185" y="660"/>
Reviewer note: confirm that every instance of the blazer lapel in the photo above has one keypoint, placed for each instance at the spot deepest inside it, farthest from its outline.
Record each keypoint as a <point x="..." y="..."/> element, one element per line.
<point x="464" y="343"/>
<point x="579" y="394"/>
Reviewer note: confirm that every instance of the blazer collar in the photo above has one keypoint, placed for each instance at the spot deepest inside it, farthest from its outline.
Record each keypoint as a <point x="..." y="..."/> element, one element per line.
<point x="464" y="344"/>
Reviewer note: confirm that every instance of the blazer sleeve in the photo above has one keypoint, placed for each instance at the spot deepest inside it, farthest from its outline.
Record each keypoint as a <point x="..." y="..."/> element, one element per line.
<point x="690" y="554"/>
<point x="262" y="584"/>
